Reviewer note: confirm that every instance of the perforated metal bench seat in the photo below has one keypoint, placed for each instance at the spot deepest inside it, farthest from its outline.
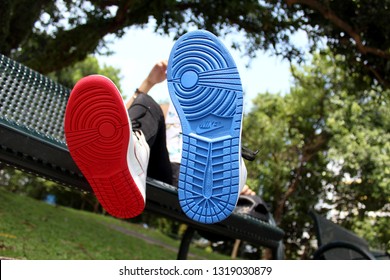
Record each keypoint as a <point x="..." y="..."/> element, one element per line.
<point x="32" y="111"/>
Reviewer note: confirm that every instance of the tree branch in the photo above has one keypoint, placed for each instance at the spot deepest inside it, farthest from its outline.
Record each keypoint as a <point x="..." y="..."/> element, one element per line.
<point x="308" y="151"/>
<point x="290" y="191"/>
<point x="69" y="46"/>
<point x="333" y="18"/>
<point x="377" y="76"/>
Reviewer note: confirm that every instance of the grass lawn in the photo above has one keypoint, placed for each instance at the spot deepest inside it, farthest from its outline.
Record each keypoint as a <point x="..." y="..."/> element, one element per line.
<point x="31" y="229"/>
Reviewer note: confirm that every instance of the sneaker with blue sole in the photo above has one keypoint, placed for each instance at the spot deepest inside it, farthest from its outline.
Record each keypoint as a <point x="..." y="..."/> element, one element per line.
<point x="205" y="88"/>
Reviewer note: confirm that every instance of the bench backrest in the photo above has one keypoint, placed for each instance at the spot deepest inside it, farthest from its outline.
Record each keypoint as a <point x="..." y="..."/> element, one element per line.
<point x="329" y="232"/>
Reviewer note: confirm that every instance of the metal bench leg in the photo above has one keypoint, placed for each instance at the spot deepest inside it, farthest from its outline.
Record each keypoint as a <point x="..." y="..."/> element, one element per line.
<point x="278" y="252"/>
<point x="185" y="243"/>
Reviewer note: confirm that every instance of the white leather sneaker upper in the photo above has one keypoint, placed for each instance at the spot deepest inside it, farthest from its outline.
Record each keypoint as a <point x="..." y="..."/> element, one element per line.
<point x="138" y="159"/>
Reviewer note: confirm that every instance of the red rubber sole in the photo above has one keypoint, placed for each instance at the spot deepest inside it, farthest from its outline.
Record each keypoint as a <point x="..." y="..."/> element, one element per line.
<point x="97" y="133"/>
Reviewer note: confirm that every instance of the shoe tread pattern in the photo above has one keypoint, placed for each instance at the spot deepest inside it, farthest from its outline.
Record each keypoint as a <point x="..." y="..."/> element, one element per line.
<point x="97" y="134"/>
<point x="206" y="90"/>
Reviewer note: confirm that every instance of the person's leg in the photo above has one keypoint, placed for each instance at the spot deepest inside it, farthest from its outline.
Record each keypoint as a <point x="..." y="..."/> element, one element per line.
<point x="146" y="115"/>
<point x="175" y="173"/>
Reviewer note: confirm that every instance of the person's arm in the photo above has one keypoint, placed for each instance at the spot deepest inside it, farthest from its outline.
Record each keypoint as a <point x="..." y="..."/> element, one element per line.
<point x="156" y="75"/>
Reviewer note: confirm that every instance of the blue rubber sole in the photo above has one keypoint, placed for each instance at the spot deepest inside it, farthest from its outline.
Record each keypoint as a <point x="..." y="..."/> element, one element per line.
<point x="205" y="88"/>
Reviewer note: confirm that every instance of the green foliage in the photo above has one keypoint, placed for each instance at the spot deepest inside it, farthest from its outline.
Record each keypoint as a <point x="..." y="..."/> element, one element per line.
<point x="70" y="75"/>
<point x="375" y="229"/>
<point x="356" y="29"/>
<point x="361" y="149"/>
<point x="33" y="230"/>
<point x="324" y="145"/>
<point x="22" y="183"/>
<point x="50" y="35"/>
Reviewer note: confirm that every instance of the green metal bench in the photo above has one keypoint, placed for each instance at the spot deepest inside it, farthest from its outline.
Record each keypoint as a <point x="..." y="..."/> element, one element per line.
<point x="32" y="109"/>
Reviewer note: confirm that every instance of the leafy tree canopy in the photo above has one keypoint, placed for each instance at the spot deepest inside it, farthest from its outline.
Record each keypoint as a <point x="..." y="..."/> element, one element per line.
<point x="49" y="35"/>
<point x="68" y="76"/>
<point x="319" y="146"/>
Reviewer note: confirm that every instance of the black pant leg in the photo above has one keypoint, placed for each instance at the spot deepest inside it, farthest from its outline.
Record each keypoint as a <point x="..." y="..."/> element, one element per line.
<point x="146" y="115"/>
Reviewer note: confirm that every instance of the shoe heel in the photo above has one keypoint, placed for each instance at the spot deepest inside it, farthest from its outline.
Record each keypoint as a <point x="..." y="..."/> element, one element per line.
<point x="119" y="194"/>
<point x="208" y="185"/>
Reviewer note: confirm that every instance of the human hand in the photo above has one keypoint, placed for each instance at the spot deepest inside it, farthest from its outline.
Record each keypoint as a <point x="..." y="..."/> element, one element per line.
<point x="247" y="191"/>
<point x="158" y="73"/>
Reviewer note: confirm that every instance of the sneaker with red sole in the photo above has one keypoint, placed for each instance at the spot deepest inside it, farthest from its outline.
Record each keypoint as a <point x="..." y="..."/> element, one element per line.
<point x="112" y="157"/>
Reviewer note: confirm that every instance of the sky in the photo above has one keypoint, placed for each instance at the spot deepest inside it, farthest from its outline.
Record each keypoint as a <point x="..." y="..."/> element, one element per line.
<point x="139" y="49"/>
